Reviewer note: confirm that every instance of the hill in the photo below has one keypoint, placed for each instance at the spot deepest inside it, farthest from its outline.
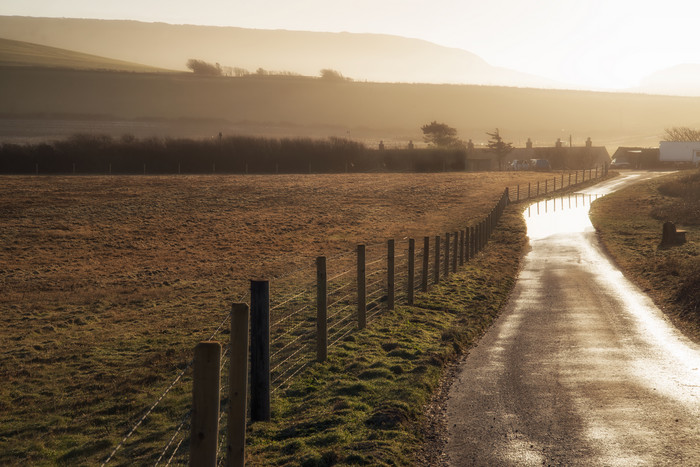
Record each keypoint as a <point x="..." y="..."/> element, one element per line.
<point x="18" y="53"/>
<point x="44" y="102"/>
<point x="372" y="57"/>
<point x="681" y="80"/>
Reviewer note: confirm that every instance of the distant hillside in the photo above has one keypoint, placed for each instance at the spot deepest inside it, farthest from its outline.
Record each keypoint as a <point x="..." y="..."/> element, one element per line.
<point x="18" y="53"/>
<point x="680" y="80"/>
<point x="140" y="103"/>
<point x="370" y="57"/>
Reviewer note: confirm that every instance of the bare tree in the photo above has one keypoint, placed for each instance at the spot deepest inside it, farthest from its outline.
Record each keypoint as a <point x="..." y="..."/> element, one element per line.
<point x="681" y="133"/>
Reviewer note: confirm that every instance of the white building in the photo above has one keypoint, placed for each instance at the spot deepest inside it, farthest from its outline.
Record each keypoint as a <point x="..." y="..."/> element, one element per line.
<point x="680" y="151"/>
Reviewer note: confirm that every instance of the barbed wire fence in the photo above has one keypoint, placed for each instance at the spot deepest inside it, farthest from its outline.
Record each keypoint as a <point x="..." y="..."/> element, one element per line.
<point x="293" y="315"/>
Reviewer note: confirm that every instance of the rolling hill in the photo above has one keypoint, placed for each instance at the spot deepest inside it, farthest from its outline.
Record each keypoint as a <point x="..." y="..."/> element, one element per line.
<point x="48" y="93"/>
<point x="18" y="53"/>
<point x="371" y="57"/>
<point x="46" y="102"/>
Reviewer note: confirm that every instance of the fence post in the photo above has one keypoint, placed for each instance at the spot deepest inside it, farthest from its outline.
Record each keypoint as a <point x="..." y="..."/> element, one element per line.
<point x="321" y="309"/>
<point x="467" y="244"/>
<point x="455" y="249"/>
<point x="447" y="254"/>
<point x="260" y="350"/>
<point x="426" y="264"/>
<point x="411" y="269"/>
<point x="545" y="186"/>
<point x="361" y="288"/>
<point x="538" y="188"/>
<point x="390" y="269"/>
<point x="461" y="247"/>
<point x="562" y="181"/>
<point x="576" y="178"/>
<point x="204" y="434"/>
<point x="569" y="179"/>
<point x="437" y="259"/>
<point x="238" y="384"/>
<point x="518" y="197"/>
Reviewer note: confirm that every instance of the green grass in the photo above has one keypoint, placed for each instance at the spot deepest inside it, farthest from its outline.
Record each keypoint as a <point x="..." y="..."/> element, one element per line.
<point x="629" y="224"/>
<point x="364" y="405"/>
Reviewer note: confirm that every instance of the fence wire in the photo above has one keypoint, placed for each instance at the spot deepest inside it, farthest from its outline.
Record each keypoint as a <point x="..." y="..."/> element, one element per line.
<point x="293" y="316"/>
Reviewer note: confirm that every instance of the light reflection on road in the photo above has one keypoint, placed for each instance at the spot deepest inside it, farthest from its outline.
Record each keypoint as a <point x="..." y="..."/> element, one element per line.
<point x="582" y="368"/>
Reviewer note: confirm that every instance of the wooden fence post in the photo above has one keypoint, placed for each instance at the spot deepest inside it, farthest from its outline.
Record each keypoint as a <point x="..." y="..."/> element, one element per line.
<point x="562" y="181"/>
<point x="361" y="288"/>
<point x="461" y="247"/>
<point x="426" y="264"/>
<point x="204" y="434"/>
<point x="447" y="254"/>
<point x="528" y="190"/>
<point x="321" y="309"/>
<point x="518" y="197"/>
<point x="455" y="249"/>
<point x="260" y="350"/>
<point x="467" y="244"/>
<point x="238" y="385"/>
<point x="390" y="270"/>
<point x="545" y="186"/>
<point x="411" y="269"/>
<point x="576" y="179"/>
<point x="436" y="273"/>
<point x="538" y="188"/>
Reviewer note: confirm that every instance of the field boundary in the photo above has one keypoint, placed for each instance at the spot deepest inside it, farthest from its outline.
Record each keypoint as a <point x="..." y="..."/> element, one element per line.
<point x="309" y="313"/>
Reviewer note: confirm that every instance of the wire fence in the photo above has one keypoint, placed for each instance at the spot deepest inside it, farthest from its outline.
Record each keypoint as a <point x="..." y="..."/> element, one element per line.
<point x="293" y="317"/>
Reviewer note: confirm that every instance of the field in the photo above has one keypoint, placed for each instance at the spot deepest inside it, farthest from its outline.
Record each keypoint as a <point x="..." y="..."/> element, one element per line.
<point x="109" y="282"/>
<point x="17" y="53"/>
<point x="173" y="105"/>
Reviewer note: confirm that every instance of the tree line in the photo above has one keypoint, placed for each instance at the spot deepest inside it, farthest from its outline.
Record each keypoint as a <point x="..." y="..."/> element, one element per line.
<point x="100" y="154"/>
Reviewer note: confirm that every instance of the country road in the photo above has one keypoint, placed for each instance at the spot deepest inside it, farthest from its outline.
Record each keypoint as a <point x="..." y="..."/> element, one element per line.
<point x="581" y="368"/>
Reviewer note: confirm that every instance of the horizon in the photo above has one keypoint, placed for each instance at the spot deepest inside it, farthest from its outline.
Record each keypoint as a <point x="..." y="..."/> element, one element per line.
<point x="603" y="46"/>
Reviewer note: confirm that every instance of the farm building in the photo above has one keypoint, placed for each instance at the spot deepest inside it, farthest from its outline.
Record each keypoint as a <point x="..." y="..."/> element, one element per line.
<point x="680" y="152"/>
<point x="636" y="157"/>
<point x="562" y="157"/>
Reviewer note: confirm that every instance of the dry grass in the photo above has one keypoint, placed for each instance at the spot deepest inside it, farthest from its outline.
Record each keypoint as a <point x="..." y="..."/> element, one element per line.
<point x="109" y="282"/>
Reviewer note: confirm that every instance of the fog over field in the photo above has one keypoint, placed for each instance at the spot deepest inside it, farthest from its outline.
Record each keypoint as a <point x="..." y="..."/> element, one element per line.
<point x="54" y="82"/>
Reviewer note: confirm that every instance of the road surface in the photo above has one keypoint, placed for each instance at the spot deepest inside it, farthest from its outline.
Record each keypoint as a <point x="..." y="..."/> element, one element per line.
<point x="581" y="368"/>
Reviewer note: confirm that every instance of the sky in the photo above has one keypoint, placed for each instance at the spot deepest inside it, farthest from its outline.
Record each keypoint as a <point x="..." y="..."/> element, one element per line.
<point x="595" y="44"/>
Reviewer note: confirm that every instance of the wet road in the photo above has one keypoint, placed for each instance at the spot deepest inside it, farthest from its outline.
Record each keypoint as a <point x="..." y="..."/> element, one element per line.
<point x="581" y="368"/>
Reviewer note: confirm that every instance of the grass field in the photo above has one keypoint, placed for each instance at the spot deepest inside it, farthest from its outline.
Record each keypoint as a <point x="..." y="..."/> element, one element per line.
<point x="109" y="282"/>
<point x="26" y="54"/>
<point x="283" y="106"/>
<point x="629" y="223"/>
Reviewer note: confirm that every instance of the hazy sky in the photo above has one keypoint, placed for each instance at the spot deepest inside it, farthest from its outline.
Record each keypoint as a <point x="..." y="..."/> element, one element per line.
<point x="594" y="43"/>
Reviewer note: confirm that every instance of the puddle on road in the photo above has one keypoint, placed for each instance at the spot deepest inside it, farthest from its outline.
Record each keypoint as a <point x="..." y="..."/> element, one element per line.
<point x="667" y="362"/>
<point x="566" y="214"/>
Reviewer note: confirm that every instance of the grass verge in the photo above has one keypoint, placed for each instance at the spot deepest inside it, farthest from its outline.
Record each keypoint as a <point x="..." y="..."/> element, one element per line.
<point x="629" y="225"/>
<point x="363" y="406"/>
